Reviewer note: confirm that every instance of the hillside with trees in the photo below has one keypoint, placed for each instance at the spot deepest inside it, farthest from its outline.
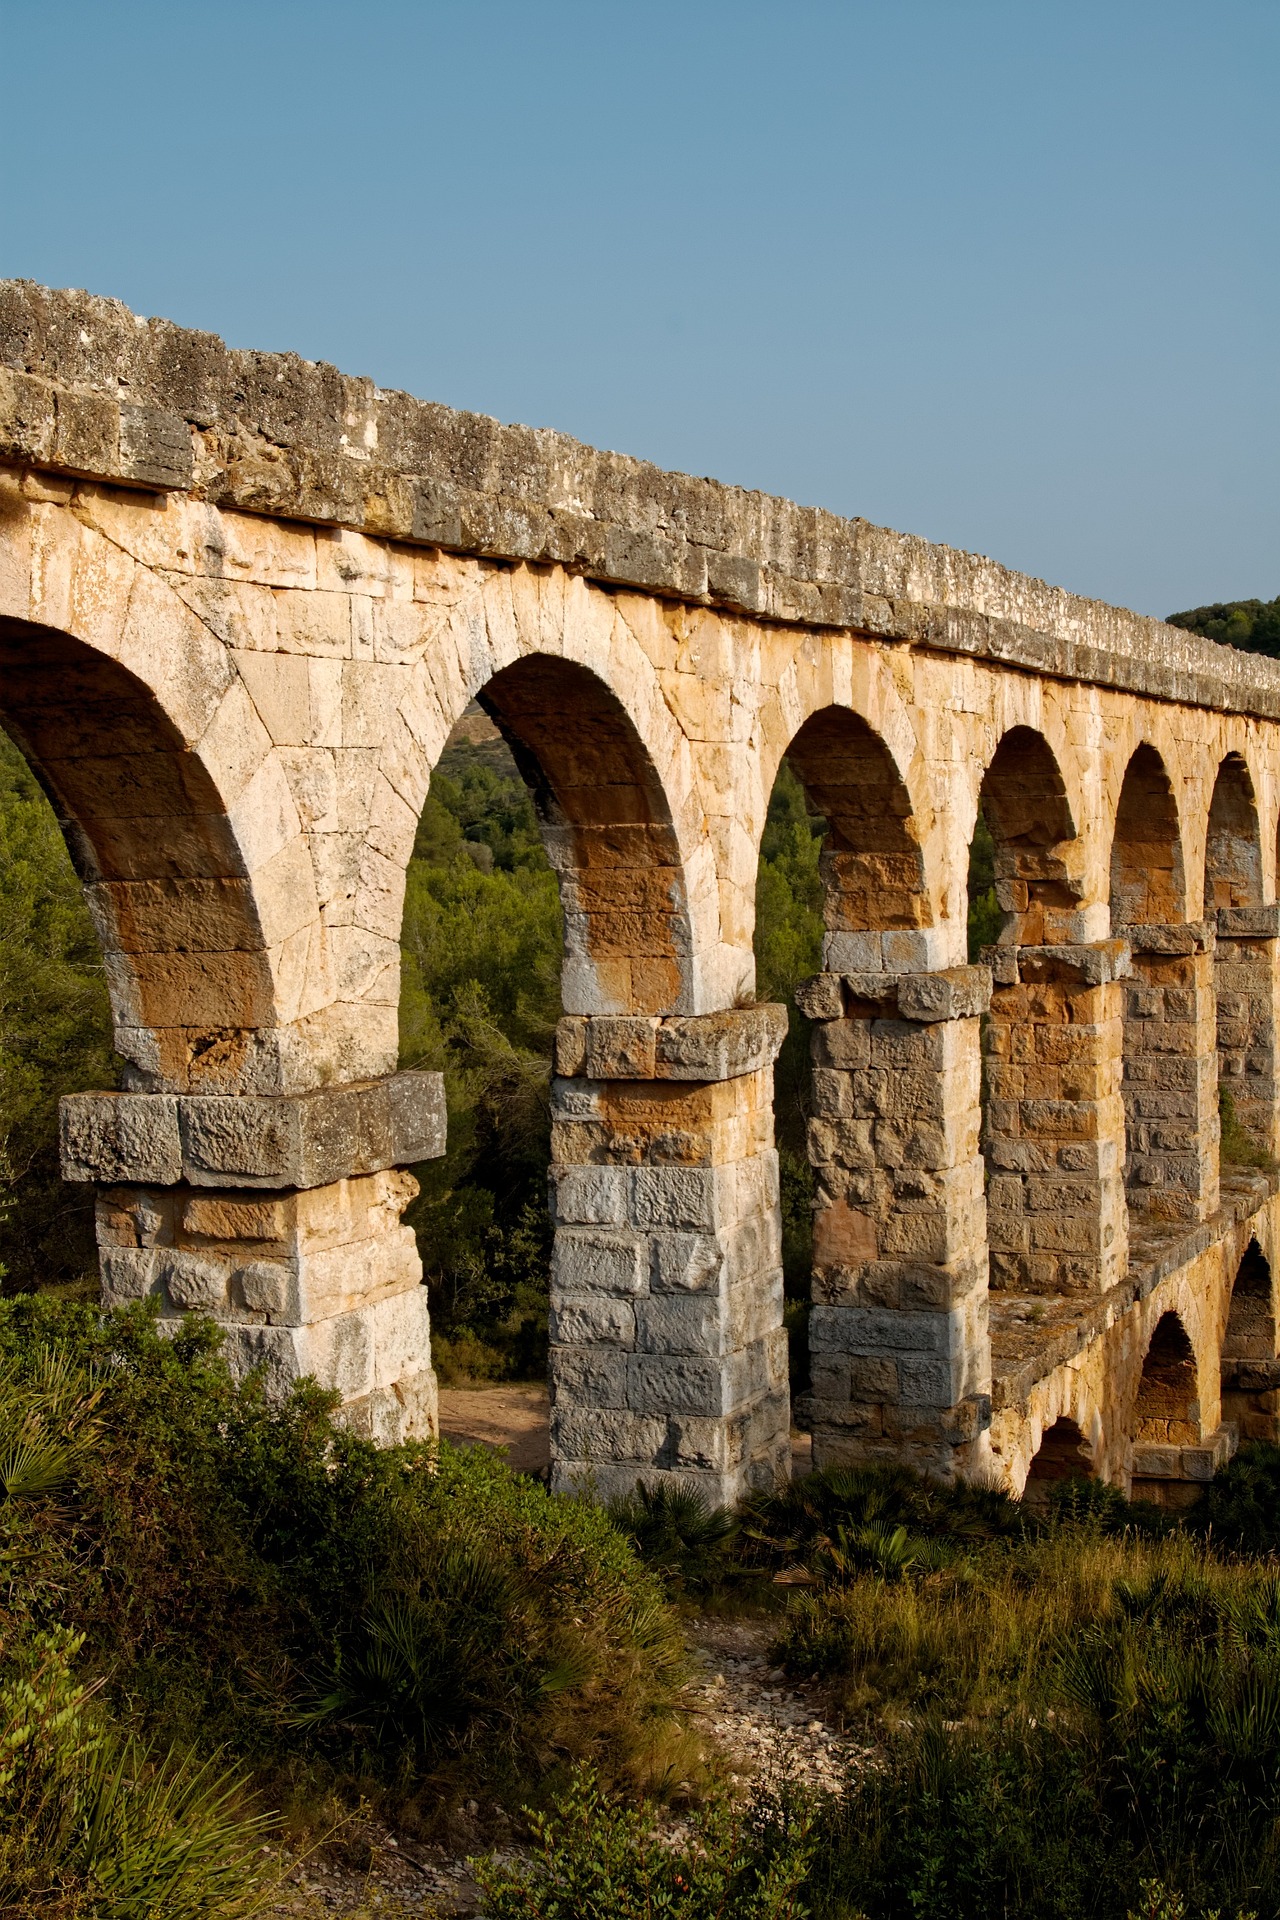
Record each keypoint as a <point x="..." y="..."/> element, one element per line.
<point x="1251" y="625"/>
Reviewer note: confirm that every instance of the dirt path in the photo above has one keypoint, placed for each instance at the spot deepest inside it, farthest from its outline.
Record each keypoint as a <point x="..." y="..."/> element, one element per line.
<point x="514" y="1416"/>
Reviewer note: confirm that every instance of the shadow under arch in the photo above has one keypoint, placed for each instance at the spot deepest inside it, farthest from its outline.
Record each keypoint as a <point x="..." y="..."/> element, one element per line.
<point x="1023" y="801"/>
<point x="1250" y="1370"/>
<point x="897" y="1200"/>
<point x="1166" y="1411"/>
<point x="1063" y="1454"/>
<point x="1245" y="1020"/>
<point x="1148" y="880"/>
<point x="872" y="866"/>
<point x="609" y="835"/>
<point x="1166" y="1416"/>
<point x="1050" y="1207"/>
<point x="1233" y="841"/>
<point x="186" y="963"/>
<point x="1170" y="1103"/>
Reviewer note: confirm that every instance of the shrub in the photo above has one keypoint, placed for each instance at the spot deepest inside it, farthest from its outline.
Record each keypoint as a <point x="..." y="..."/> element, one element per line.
<point x="596" y="1859"/>
<point x="248" y="1574"/>
<point x="677" y="1533"/>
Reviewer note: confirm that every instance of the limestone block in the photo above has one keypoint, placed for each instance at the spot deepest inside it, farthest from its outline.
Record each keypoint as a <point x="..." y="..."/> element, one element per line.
<point x="194" y="1281"/>
<point x="589" y="1376"/>
<point x="593" y="1318"/>
<point x="110" y="1137"/>
<point x="685" y="1262"/>
<point x="583" y="1262"/>
<point x="821" y="998"/>
<point x="1249" y="923"/>
<point x="693" y="1324"/>
<point x="663" y="1384"/>
<point x="955" y="993"/>
<point x="605" y="1435"/>
<point x="128" y="1273"/>
<point x="590" y="1196"/>
<point x="673" y="1197"/>
<point x="272" y="1141"/>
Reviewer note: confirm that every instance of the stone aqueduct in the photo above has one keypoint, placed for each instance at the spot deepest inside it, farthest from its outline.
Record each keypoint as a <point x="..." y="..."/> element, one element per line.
<point x="243" y="601"/>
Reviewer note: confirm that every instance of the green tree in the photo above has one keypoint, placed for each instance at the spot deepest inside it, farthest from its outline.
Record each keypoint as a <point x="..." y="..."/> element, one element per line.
<point x="1252" y="625"/>
<point x="55" y="1034"/>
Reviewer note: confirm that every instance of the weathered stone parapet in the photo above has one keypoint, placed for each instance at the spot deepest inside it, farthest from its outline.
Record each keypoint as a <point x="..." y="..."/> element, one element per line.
<point x="89" y="389"/>
<point x="899" y="1355"/>
<point x="1246" y="978"/>
<point x="1171" y="1073"/>
<point x="668" y="1351"/>
<point x="1054" y="1123"/>
<point x="279" y="1217"/>
<point x="267" y="1141"/>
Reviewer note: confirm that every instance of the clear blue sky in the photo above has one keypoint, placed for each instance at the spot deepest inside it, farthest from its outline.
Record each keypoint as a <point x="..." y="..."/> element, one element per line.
<point x="1007" y="275"/>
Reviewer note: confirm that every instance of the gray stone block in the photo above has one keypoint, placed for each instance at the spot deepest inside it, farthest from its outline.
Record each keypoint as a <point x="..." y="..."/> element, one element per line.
<point x="821" y="998"/>
<point x="956" y="993"/>
<point x="658" y="1384"/>
<point x="590" y="1376"/>
<point x="590" y="1196"/>
<point x="584" y="1262"/>
<point x="270" y="1141"/>
<point x="1249" y="923"/>
<point x="681" y="1324"/>
<point x="128" y="1273"/>
<point x="114" y="1137"/>
<point x="673" y="1197"/>
<point x="591" y="1319"/>
<point x="194" y="1281"/>
<point x="685" y="1262"/>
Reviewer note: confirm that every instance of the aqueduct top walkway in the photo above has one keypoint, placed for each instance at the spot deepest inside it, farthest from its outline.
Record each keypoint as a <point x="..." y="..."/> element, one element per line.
<point x="243" y="601"/>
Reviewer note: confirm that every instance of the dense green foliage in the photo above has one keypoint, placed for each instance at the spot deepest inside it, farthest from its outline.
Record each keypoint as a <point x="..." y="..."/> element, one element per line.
<point x="55" y="1034"/>
<point x="1253" y="625"/>
<point x="247" y="1575"/>
<point x="480" y="997"/>
<point x="1074" y="1711"/>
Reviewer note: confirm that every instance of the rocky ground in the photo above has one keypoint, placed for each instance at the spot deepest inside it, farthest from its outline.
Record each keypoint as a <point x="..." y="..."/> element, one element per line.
<point x="768" y="1728"/>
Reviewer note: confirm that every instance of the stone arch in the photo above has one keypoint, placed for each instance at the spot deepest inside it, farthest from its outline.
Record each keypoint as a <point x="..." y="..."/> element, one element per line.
<point x="608" y="832"/>
<point x="1250" y="1371"/>
<point x="163" y="865"/>
<point x="1063" y="1454"/>
<point x="1024" y="801"/>
<point x="1169" y="1082"/>
<point x="1233" y="841"/>
<point x="872" y="864"/>
<point x="1148" y="883"/>
<point x="575" y="695"/>
<point x="1244" y="993"/>
<point x="1166" y="1409"/>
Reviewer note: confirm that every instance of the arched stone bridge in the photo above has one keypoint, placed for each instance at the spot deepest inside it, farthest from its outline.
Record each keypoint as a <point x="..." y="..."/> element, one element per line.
<point x="243" y="601"/>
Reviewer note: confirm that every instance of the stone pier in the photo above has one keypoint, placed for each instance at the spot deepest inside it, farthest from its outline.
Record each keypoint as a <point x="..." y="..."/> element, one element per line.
<point x="1054" y="1136"/>
<point x="279" y="1217"/>
<point x="668" y="1351"/>
<point x="899" y="1354"/>
<point x="1171" y="1073"/>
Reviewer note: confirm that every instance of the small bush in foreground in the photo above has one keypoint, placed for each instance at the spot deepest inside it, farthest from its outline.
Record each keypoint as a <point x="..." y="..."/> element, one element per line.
<point x="596" y="1859"/>
<point x="246" y="1575"/>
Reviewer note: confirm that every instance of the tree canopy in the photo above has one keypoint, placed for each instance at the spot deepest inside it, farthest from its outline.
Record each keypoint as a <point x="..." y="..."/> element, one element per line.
<point x="1251" y="625"/>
